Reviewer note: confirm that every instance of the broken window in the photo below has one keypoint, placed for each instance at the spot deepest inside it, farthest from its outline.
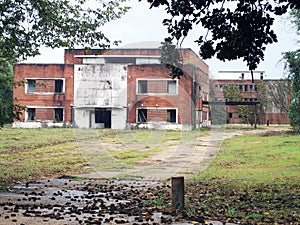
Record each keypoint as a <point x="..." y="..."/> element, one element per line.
<point x="142" y="86"/>
<point x="58" y="115"/>
<point x="59" y="86"/>
<point x="142" y="115"/>
<point x="31" y="86"/>
<point x="30" y="114"/>
<point x="171" y="115"/>
<point x="172" y="87"/>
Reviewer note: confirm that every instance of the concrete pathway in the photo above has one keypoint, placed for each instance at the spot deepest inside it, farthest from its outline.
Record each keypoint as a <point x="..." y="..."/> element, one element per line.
<point x="185" y="159"/>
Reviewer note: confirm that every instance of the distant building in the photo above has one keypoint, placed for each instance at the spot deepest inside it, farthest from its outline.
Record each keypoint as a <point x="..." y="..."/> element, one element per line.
<point x="268" y="107"/>
<point x="118" y="89"/>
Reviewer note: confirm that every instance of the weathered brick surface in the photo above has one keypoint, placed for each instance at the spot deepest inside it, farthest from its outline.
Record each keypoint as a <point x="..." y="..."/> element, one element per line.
<point x="193" y="86"/>
<point x="248" y="92"/>
<point x="32" y="71"/>
<point x="182" y="101"/>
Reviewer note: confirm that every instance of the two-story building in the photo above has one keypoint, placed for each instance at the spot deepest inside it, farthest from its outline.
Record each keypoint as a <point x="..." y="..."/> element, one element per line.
<point x="118" y="89"/>
<point x="268" y="99"/>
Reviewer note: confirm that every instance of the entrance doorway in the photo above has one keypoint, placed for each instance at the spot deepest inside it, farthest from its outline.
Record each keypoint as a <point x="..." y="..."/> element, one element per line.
<point x="103" y="116"/>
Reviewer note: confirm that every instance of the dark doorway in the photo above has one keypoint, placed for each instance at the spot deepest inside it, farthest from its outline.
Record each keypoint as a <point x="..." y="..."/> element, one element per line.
<point x="103" y="116"/>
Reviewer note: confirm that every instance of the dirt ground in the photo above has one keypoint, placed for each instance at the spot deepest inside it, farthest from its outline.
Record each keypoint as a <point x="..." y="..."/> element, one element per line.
<point x="115" y="195"/>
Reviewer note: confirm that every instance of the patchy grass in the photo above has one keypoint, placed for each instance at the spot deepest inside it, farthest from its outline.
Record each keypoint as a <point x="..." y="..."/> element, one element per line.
<point x="31" y="154"/>
<point x="262" y="159"/>
<point x="128" y="147"/>
<point x="253" y="180"/>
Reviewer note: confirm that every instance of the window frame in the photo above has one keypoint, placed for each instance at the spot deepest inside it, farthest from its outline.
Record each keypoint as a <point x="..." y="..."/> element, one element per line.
<point x="155" y="108"/>
<point x="44" y="93"/>
<point x="167" y="81"/>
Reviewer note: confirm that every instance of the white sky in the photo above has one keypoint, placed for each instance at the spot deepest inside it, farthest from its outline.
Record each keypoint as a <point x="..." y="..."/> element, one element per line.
<point x="142" y="24"/>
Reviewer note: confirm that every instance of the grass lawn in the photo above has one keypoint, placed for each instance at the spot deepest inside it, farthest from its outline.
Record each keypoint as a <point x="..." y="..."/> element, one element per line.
<point x="253" y="180"/>
<point x="257" y="159"/>
<point x="32" y="154"/>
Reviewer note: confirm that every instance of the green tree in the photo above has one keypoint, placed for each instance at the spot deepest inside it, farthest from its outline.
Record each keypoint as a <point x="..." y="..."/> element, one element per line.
<point x="231" y="92"/>
<point x="29" y="24"/>
<point x="246" y="114"/>
<point x="235" y="28"/>
<point x="6" y="106"/>
<point x="262" y="98"/>
<point x="293" y="66"/>
<point x="8" y="109"/>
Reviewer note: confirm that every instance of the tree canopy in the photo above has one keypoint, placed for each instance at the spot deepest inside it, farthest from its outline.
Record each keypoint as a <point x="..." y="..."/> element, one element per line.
<point x="232" y="93"/>
<point x="235" y="29"/>
<point x="27" y="25"/>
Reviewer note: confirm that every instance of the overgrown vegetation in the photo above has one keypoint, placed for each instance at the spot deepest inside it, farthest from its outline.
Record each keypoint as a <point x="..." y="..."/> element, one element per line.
<point x="253" y="180"/>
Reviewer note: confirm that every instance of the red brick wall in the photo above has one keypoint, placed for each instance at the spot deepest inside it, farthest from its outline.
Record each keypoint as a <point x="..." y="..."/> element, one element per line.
<point x="277" y="118"/>
<point x="44" y="114"/>
<point x="25" y="71"/>
<point x="274" y="118"/>
<point x="182" y="101"/>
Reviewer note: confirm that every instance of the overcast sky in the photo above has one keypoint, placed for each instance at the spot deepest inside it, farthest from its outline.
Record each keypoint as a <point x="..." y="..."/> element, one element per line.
<point x="142" y="24"/>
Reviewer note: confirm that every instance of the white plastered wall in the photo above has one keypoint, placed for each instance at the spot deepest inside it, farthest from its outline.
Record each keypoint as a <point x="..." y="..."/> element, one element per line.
<point x="100" y="86"/>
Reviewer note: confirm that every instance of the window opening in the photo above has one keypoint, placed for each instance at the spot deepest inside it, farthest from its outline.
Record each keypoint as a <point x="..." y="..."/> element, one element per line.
<point x="172" y="87"/>
<point x="241" y="87"/>
<point x="142" y="115"/>
<point x="31" y="114"/>
<point x="171" y="115"/>
<point x="31" y="86"/>
<point x="58" y="115"/>
<point x="230" y="115"/>
<point x="59" y="84"/>
<point x="250" y="88"/>
<point x="142" y="86"/>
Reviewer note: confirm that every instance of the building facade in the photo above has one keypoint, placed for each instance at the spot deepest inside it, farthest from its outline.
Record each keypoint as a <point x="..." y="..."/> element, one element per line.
<point x="267" y="100"/>
<point x="118" y="89"/>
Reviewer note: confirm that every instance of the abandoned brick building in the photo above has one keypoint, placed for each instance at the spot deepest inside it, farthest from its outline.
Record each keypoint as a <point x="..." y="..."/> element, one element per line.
<point x="268" y="99"/>
<point x="118" y="89"/>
